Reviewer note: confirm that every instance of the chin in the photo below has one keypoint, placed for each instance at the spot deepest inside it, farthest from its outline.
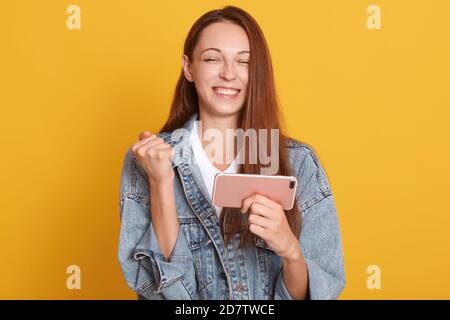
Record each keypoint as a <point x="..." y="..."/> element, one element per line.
<point x="222" y="108"/>
<point x="225" y="111"/>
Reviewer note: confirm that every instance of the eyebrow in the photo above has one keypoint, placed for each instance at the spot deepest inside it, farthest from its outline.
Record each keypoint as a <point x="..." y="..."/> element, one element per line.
<point x="218" y="50"/>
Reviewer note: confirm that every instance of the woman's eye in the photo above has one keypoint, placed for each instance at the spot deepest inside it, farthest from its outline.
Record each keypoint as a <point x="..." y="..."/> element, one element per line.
<point x="244" y="61"/>
<point x="210" y="59"/>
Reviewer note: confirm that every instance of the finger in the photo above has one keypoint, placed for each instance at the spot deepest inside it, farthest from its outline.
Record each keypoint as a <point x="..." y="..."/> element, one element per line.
<point x="258" y="230"/>
<point x="159" y="144"/>
<point x="155" y="143"/>
<point x="153" y="147"/>
<point x="259" y="220"/>
<point x="246" y="203"/>
<point x="138" y="144"/>
<point x="150" y="142"/>
<point x="146" y="134"/>
<point x="261" y="210"/>
<point x="249" y="202"/>
<point x="164" y="149"/>
<point x="266" y="201"/>
<point x="258" y="198"/>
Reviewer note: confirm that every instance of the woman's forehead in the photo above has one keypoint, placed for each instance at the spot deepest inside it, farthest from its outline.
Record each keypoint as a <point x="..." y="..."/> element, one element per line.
<point x="224" y="36"/>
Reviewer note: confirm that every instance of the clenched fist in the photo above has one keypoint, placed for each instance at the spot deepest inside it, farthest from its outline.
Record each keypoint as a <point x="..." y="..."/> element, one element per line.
<point x="154" y="156"/>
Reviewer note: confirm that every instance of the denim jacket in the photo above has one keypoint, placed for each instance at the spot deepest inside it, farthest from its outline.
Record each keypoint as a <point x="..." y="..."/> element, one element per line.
<point x="201" y="266"/>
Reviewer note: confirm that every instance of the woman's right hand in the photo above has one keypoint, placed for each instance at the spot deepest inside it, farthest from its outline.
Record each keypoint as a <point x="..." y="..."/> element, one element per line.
<point x="155" y="157"/>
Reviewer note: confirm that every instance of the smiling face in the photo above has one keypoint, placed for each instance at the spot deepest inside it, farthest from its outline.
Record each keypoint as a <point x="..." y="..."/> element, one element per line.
<point x="219" y="68"/>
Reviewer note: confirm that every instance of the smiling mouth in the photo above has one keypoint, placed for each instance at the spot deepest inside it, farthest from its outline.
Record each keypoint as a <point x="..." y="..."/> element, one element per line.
<point x="227" y="93"/>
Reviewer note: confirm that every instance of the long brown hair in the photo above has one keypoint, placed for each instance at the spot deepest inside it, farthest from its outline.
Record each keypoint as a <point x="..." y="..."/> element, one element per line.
<point x="260" y="109"/>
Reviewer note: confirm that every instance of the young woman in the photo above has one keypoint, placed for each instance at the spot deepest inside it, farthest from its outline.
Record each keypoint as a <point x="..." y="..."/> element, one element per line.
<point x="174" y="243"/>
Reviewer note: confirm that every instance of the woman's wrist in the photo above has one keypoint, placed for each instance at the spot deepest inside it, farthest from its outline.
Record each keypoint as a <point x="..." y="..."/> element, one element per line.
<point x="162" y="184"/>
<point x="294" y="254"/>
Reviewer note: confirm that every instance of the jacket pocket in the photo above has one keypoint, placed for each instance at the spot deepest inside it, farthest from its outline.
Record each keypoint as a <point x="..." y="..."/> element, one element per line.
<point x="149" y="282"/>
<point x="269" y="266"/>
<point x="202" y="249"/>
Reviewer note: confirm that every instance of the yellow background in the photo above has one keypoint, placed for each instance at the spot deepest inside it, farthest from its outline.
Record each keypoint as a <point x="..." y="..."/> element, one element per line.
<point x="374" y="104"/>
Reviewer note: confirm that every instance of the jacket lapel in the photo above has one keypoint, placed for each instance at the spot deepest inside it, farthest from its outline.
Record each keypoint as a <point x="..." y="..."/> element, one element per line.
<point x="194" y="188"/>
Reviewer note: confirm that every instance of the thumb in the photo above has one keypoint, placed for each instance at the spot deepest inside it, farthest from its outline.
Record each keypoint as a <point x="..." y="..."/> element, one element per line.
<point x="145" y="135"/>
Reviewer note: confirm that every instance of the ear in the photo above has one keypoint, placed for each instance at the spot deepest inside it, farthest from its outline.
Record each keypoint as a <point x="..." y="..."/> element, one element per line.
<point x="186" y="68"/>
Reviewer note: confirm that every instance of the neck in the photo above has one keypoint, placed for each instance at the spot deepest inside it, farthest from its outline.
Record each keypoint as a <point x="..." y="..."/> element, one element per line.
<point x="220" y="124"/>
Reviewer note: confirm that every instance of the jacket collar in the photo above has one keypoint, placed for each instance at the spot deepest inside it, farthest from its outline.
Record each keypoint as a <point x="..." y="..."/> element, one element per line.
<point x="184" y="162"/>
<point x="193" y="185"/>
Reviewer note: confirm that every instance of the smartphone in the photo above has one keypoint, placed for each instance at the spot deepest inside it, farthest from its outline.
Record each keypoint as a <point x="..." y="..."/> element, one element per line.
<point x="230" y="189"/>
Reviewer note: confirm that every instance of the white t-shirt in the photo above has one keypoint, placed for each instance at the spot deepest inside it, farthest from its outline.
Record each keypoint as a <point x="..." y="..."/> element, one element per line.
<point x="207" y="169"/>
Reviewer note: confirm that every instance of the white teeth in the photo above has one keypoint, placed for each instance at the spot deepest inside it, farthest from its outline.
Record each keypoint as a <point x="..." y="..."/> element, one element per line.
<point x="226" y="91"/>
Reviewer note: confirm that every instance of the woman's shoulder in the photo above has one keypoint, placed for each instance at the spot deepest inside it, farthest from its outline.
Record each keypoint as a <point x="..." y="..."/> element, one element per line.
<point x="312" y="180"/>
<point x="300" y="150"/>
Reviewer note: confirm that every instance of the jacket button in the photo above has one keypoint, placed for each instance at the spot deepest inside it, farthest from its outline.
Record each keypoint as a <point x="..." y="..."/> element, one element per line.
<point x="239" y="288"/>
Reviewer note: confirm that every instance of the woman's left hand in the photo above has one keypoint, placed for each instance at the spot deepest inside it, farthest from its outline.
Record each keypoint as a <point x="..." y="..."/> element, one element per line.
<point x="268" y="221"/>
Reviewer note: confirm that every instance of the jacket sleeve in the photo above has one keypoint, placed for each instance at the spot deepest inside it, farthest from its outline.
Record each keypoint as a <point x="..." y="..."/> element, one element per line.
<point x="320" y="238"/>
<point x="146" y="270"/>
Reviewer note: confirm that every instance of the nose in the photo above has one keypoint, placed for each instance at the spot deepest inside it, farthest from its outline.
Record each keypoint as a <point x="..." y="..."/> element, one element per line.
<point x="227" y="72"/>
